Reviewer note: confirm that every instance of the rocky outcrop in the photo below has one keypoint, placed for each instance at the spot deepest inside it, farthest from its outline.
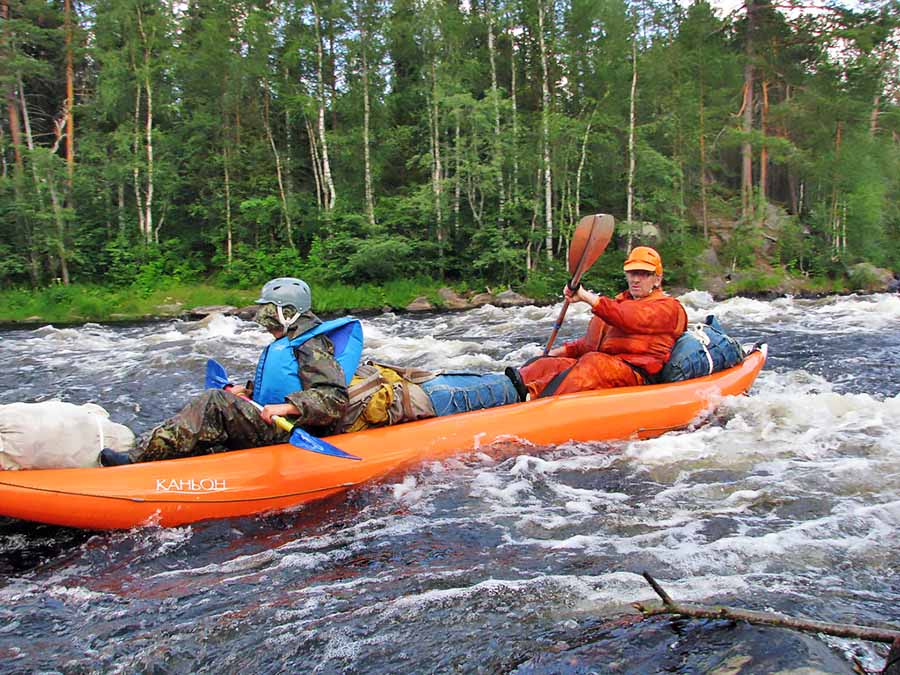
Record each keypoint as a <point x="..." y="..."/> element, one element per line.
<point x="420" y="304"/>
<point x="450" y="299"/>
<point x="866" y="277"/>
<point x="204" y="311"/>
<point x="509" y="298"/>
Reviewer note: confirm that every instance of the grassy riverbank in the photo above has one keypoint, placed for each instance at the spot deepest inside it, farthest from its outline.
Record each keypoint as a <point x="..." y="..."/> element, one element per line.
<point x="79" y="303"/>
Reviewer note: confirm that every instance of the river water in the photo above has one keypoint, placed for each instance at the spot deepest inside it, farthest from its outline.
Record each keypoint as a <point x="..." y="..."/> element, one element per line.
<point x="523" y="561"/>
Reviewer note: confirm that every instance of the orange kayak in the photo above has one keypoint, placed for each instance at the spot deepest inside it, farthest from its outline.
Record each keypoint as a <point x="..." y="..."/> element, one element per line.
<point x="245" y="482"/>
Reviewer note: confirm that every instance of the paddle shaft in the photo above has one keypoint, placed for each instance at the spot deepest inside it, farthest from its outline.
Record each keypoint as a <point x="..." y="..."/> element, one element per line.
<point x="592" y="235"/>
<point x="280" y="422"/>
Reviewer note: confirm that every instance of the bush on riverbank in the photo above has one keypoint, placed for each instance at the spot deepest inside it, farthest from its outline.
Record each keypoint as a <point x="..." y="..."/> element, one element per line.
<point x="163" y="295"/>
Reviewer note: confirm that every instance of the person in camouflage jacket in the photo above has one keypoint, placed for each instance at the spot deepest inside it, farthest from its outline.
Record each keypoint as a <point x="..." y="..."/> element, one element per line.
<point x="220" y="420"/>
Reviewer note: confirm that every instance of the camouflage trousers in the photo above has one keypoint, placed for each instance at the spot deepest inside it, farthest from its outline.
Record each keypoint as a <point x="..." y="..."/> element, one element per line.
<point x="215" y="421"/>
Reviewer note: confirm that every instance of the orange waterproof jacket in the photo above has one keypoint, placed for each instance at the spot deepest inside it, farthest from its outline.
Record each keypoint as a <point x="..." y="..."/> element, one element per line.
<point x="641" y="332"/>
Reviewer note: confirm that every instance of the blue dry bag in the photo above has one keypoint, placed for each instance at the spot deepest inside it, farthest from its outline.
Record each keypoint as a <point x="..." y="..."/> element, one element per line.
<point x="704" y="349"/>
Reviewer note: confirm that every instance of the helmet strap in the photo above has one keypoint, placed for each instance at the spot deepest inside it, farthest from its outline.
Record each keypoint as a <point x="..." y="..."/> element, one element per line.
<point x="286" y="323"/>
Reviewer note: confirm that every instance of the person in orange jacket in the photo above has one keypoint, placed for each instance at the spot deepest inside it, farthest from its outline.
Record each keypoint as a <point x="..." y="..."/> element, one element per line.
<point x="628" y="339"/>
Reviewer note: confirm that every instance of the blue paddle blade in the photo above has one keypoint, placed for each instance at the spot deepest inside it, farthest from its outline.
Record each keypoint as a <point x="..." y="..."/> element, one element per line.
<point x="306" y="441"/>
<point x="216" y="377"/>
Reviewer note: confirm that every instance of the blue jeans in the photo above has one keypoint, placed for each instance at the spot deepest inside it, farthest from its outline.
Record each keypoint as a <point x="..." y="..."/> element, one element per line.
<point x="452" y="393"/>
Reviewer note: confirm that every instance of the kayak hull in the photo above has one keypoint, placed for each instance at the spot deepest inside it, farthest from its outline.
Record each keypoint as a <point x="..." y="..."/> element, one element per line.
<point x="246" y="482"/>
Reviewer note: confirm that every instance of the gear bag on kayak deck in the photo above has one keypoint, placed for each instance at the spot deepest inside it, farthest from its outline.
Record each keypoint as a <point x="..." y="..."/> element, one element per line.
<point x="57" y="435"/>
<point x="704" y="349"/>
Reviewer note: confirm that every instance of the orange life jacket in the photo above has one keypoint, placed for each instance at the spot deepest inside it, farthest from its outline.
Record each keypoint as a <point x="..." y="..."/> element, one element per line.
<point x="641" y="332"/>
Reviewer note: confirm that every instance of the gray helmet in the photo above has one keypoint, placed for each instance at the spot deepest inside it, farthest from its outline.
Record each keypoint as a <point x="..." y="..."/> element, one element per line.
<point x="286" y="291"/>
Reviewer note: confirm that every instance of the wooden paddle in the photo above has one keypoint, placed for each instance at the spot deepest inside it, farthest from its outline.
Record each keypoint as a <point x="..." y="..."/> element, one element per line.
<point x="217" y="378"/>
<point x="590" y="239"/>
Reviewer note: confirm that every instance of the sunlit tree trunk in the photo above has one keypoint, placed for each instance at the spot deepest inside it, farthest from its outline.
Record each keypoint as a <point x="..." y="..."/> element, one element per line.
<point x="545" y="134"/>
<point x="704" y="171"/>
<point x="747" y="120"/>
<point x="370" y="199"/>
<point x="136" y="169"/>
<point x="514" y="179"/>
<point x="873" y="116"/>
<point x="764" y="150"/>
<point x="47" y="179"/>
<point x="288" y="226"/>
<point x="226" y="162"/>
<point x="316" y="162"/>
<point x="70" y="98"/>
<point x="497" y="159"/>
<point x="436" y="169"/>
<point x="629" y="212"/>
<point x="457" y="178"/>
<point x="838" y="242"/>
<point x="150" y="234"/>
<point x="330" y="197"/>
<point x="15" y="131"/>
<point x="581" y="163"/>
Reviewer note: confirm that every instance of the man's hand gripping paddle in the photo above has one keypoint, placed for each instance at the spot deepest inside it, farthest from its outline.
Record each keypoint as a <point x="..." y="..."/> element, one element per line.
<point x="590" y="239"/>
<point x="217" y="378"/>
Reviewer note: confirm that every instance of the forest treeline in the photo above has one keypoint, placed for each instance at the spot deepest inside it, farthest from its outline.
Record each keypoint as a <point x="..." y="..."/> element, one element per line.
<point x="374" y="140"/>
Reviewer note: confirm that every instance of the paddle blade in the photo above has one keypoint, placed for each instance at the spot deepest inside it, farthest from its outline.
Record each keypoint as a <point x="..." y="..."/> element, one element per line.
<point x="306" y="441"/>
<point x="589" y="240"/>
<point x="216" y="377"/>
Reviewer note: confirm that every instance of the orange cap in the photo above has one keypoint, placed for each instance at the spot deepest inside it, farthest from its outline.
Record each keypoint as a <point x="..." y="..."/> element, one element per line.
<point x="644" y="258"/>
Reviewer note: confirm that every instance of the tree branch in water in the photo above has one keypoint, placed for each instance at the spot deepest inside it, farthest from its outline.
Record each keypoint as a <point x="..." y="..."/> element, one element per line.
<point x="762" y="618"/>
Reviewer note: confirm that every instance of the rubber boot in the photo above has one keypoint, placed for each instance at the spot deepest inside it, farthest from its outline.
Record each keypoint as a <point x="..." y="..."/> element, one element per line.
<point x="110" y="457"/>
<point x="521" y="389"/>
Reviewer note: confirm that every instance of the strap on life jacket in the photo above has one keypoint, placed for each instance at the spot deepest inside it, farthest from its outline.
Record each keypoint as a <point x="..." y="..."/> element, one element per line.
<point x="347" y="337"/>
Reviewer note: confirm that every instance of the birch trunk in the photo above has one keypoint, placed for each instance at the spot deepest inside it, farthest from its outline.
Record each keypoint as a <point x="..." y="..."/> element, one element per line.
<point x="47" y="179"/>
<point x="279" y="173"/>
<point x="228" y="233"/>
<point x="136" y="170"/>
<point x="578" y="174"/>
<point x="629" y="213"/>
<point x="457" y="182"/>
<point x="327" y="181"/>
<point x="150" y="235"/>
<point x="370" y="200"/>
<point x="316" y="162"/>
<point x="120" y="207"/>
<point x="497" y="160"/>
<point x="436" y="169"/>
<point x="835" y="196"/>
<point x="545" y="135"/>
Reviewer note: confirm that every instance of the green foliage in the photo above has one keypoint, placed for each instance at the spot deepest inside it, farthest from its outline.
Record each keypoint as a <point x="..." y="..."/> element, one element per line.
<point x="252" y="267"/>
<point x="680" y="253"/>
<point x="12" y="263"/>
<point x="152" y="267"/>
<point x="234" y="149"/>
<point x="754" y="282"/>
<point x="865" y="277"/>
<point x="741" y="251"/>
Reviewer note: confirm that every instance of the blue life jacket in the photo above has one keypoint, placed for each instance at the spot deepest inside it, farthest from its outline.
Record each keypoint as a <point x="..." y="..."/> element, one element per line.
<point x="276" y="371"/>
